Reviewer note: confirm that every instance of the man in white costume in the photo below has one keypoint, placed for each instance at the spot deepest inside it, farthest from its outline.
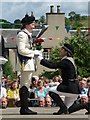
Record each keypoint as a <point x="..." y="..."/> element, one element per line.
<point x="26" y="56"/>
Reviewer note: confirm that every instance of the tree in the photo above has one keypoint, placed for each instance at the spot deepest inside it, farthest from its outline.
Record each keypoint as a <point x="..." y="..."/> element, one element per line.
<point x="81" y="54"/>
<point x="42" y="20"/>
<point x="72" y="15"/>
<point x="8" y="70"/>
<point x="17" y="23"/>
<point x="5" y="24"/>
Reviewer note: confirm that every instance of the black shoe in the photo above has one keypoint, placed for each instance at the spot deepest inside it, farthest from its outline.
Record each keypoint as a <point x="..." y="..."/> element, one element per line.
<point x="60" y="112"/>
<point x="26" y="111"/>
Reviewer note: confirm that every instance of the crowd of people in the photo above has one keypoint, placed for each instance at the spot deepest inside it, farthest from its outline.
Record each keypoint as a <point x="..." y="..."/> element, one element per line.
<point x="38" y="92"/>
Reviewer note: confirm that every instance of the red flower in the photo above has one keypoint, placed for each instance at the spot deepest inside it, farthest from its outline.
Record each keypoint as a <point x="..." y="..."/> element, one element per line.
<point x="39" y="40"/>
<point x="37" y="43"/>
<point x="50" y="38"/>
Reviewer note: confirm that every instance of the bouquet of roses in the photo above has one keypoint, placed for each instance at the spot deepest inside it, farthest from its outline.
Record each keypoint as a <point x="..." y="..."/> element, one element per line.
<point x="37" y="44"/>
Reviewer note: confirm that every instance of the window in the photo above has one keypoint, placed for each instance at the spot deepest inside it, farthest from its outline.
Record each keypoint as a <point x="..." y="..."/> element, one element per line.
<point x="46" y="53"/>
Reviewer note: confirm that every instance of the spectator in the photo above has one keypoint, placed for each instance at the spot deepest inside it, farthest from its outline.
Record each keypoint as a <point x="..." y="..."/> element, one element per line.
<point x="36" y="78"/>
<point x="41" y="101"/>
<point x="3" y="92"/>
<point x="13" y="94"/>
<point x="8" y="84"/>
<point x="33" y="85"/>
<point x="80" y="103"/>
<point x="46" y="82"/>
<point x="48" y="102"/>
<point x="56" y="80"/>
<point x="83" y="86"/>
<point x="4" y="102"/>
<point x="88" y="82"/>
<point x="40" y="90"/>
<point x="3" y="81"/>
<point x="84" y="99"/>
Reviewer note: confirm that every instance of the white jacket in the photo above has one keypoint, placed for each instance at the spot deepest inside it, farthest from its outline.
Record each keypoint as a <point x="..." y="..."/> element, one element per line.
<point x="23" y="46"/>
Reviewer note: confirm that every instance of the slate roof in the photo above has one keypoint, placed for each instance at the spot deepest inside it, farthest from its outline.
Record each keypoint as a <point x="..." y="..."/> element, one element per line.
<point x="9" y="36"/>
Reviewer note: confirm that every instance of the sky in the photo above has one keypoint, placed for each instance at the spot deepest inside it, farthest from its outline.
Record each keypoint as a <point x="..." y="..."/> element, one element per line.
<point x="11" y="11"/>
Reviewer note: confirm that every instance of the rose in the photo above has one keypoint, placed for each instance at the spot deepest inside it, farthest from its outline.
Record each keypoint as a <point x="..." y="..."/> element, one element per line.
<point x="38" y="43"/>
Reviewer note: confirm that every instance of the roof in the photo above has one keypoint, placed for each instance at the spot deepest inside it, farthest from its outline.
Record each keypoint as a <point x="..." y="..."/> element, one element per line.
<point x="9" y="36"/>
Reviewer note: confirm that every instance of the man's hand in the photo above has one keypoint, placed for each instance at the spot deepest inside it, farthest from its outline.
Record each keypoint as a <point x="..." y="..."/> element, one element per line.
<point x="40" y="58"/>
<point x="36" y="52"/>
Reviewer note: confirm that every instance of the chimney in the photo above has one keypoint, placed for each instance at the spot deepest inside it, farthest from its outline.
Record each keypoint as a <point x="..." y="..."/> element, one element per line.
<point x="51" y="9"/>
<point x="58" y="9"/>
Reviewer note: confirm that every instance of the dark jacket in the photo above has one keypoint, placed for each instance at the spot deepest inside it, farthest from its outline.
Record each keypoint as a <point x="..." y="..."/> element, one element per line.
<point x="68" y="73"/>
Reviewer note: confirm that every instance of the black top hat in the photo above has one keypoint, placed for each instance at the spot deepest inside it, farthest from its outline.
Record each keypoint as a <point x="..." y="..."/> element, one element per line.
<point x="68" y="48"/>
<point x="28" y="19"/>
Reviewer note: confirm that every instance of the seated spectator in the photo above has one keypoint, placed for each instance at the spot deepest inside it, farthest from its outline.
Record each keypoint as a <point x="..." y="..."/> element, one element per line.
<point x="3" y="102"/>
<point x="8" y="84"/>
<point x="46" y="82"/>
<point x="40" y="90"/>
<point x="13" y="94"/>
<point x="33" y="86"/>
<point x="84" y="99"/>
<point x="48" y="102"/>
<point x="56" y="80"/>
<point x="80" y="103"/>
<point x="36" y="78"/>
<point x="3" y="92"/>
<point x="83" y="86"/>
<point x="51" y="83"/>
<point x="88" y="82"/>
<point x="3" y="79"/>
<point x="41" y="102"/>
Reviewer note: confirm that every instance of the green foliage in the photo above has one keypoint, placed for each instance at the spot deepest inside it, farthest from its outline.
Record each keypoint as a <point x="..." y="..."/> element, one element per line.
<point x="76" y="20"/>
<point x="50" y="74"/>
<point x="42" y="20"/>
<point x="5" y="24"/>
<point x="17" y="24"/>
<point x="8" y="70"/>
<point x="82" y="53"/>
<point x="54" y="54"/>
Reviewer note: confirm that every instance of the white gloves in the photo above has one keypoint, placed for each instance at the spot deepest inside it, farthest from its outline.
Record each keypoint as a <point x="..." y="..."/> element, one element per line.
<point x="40" y="58"/>
<point x="36" y="52"/>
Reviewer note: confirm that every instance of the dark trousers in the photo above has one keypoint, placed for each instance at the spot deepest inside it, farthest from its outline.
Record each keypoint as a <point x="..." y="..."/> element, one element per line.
<point x="58" y="101"/>
<point x="70" y="87"/>
<point x="78" y="106"/>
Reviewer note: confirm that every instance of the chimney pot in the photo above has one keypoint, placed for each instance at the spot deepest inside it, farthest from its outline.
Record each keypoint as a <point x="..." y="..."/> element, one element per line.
<point x="58" y="9"/>
<point x="51" y="9"/>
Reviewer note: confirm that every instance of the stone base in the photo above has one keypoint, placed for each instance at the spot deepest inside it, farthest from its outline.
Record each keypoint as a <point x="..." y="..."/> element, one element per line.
<point x="43" y="114"/>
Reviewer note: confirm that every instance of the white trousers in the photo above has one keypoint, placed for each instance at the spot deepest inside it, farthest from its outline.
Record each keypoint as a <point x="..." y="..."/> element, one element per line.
<point x="26" y="79"/>
<point x="69" y="97"/>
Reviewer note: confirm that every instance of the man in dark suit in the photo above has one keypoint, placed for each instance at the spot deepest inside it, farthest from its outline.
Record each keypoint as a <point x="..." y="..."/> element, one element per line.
<point x="68" y="74"/>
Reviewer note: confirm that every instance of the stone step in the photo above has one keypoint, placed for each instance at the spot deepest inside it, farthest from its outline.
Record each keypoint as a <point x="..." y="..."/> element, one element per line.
<point x="43" y="114"/>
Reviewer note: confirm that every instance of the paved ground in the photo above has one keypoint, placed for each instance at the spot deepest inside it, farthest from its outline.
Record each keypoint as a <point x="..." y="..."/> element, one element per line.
<point x="43" y="114"/>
